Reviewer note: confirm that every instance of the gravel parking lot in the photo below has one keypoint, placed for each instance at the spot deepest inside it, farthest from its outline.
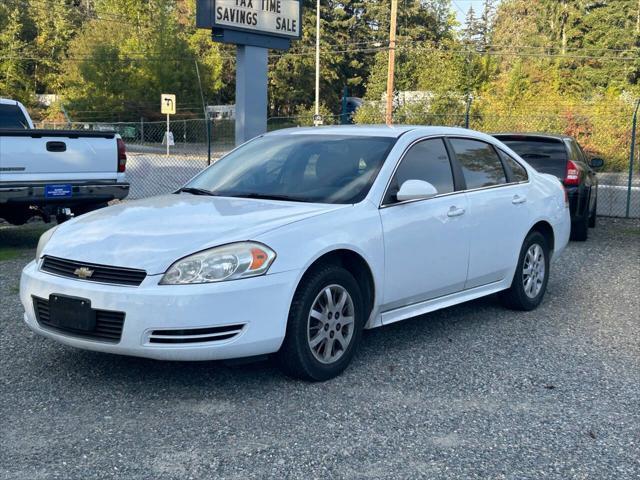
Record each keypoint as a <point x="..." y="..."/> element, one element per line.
<point x="474" y="391"/>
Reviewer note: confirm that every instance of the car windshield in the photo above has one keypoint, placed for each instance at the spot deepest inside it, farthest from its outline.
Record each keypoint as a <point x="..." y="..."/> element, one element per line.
<point x="299" y="167"/>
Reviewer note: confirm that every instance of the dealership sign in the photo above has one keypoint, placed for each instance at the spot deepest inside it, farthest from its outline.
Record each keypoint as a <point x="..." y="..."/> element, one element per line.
<point x="279" y="18"/>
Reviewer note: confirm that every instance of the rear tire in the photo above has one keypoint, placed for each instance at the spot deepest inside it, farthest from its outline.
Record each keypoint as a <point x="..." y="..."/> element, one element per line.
<point x="532" y="273"/>
<point x="324" y="326"/>
<point x="592" y="217"/>
<point x="580" y="229"/>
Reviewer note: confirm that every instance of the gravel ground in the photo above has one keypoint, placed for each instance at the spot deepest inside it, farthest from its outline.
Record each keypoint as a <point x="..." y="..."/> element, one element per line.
<point x="474" y="391"/>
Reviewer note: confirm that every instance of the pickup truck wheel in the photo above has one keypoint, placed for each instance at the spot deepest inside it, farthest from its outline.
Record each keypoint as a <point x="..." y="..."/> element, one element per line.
<point x="324" y="326"/>
<point x="16" y="216"/>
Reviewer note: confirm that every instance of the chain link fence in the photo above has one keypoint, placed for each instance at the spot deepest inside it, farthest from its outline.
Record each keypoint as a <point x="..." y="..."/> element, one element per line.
<point x="152" y="169"/>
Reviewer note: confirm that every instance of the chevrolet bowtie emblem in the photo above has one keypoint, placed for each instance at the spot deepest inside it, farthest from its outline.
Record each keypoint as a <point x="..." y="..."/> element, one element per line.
<point x="83" y="272"/>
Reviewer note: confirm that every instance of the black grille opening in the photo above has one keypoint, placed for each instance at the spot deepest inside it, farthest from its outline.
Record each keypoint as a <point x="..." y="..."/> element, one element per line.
<point x="100" y="273"/>
<point x="192" y="340"/>
<point x="108" y="323"/>
<point x="196" y="335"/>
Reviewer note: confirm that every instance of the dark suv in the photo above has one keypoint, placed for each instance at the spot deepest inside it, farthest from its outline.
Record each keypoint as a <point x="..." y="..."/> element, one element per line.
<point x="562" y="156"/>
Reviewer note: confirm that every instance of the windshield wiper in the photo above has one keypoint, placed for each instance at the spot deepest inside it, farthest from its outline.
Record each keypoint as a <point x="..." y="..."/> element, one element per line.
<point x="195" y="191"/>
<point x="267" y="196"/>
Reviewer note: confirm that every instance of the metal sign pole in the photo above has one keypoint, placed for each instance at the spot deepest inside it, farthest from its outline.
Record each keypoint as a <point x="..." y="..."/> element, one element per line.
<point x="251" y="92"/>
<point x="167" y="135"/>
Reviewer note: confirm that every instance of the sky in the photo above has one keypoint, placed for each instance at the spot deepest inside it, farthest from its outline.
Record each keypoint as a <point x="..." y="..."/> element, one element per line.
<point x="462" y="6"/>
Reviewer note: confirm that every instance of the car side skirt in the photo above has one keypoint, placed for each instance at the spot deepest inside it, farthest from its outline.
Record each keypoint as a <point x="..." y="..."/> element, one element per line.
<point x="413" y="310"/>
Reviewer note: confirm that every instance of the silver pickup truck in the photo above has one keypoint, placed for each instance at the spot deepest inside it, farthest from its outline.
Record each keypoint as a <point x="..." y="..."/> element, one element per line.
<point x="55" y="172"/>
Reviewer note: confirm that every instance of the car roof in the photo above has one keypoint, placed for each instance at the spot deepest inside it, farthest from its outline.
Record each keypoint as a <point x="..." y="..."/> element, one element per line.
<point x="7" y="101"/>
<point x="393" y="131"/>
<point x="556" y="136"/>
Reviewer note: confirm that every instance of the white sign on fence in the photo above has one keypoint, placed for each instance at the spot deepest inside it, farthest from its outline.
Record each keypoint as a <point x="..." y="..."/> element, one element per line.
<point x="167" y="139"/>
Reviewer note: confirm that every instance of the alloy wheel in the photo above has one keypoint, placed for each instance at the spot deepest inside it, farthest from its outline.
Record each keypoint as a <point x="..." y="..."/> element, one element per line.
<point x="330" y="326"/>
<point x="533" y="271"/>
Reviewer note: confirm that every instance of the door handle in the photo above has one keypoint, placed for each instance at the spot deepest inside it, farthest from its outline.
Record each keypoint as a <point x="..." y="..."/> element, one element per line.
<point x="518" y="199"/>
<point x="56" y="147"/>
<point x="455" y="211"/>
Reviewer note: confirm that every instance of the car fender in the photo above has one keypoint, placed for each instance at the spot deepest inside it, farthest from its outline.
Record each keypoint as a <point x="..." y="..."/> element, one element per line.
<point x="357" y="229"/>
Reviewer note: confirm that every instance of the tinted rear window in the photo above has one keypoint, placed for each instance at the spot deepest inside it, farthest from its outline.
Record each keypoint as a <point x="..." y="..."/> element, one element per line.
<point x="547" y="155"/>
<point x="12" y="117"/>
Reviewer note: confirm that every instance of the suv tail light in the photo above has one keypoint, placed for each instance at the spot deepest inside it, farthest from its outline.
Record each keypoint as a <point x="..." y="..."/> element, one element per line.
<point x="122" y="156"/>
<point x="573" y="174"/>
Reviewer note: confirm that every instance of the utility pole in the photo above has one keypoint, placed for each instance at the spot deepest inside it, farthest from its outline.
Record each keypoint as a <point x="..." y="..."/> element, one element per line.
<point x="317" y="115"/>
<point x="392" y="61"/>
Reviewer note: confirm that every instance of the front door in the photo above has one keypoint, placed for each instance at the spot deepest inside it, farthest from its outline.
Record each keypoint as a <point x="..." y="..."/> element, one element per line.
<point x="426" y="241"/>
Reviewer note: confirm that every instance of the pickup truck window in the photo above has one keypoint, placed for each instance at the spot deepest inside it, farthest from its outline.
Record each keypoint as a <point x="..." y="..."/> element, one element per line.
<point x="12" y="117"/>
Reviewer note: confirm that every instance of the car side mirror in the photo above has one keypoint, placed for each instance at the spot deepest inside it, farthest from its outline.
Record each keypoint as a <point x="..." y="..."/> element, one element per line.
<point x="596" y="162"/>
<point x="416" y="190"/>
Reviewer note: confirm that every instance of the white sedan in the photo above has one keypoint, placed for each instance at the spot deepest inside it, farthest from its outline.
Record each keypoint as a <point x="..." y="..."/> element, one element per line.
<point x="295" y="242"/>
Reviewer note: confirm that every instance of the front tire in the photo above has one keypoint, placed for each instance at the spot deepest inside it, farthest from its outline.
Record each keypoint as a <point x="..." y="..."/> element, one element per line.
<point x="532" y="274"/>
<point x="324" y="326"/>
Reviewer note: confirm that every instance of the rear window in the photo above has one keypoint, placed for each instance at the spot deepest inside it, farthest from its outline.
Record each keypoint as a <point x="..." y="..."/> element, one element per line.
<point x="12" y="117"/>
<point x="547" y="155"/>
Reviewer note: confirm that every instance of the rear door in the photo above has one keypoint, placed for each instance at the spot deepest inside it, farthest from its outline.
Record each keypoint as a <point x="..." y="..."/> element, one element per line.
<point x="497" y="211"/>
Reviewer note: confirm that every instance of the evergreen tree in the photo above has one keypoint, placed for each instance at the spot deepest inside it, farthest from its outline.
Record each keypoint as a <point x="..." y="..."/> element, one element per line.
<point x="14" y="79"/>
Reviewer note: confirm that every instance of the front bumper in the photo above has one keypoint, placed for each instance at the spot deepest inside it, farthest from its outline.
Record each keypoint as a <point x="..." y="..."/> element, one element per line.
<point x="34" y="193"/>
<point x="260" y="303"/>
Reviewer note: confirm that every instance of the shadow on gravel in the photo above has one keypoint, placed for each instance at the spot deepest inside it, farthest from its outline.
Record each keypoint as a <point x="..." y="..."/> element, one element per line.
<point x="179" y="380"/>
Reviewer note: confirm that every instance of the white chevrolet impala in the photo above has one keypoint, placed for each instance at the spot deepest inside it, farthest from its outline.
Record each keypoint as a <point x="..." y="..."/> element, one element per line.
<point x="295" y="242"/>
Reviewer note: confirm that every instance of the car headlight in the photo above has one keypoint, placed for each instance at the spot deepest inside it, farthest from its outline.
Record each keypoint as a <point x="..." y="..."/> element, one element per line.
<point x="228" y="262"/>
<point x="44" y="239"/>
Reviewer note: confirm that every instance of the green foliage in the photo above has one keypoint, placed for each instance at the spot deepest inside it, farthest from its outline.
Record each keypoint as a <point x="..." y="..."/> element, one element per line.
<point x="352" y="31"/>
<point x="120" y="73"/>
<point x="569" y="66"/>
<point x="14" y="80"/>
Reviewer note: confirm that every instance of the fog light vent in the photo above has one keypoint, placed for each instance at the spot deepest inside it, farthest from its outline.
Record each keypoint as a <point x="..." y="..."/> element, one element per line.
<point x="196" y="335"/>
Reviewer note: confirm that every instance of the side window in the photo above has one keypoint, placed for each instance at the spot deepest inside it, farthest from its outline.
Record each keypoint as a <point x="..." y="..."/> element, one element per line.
<point x="427" y="160"/>
<point x="518" y="172"/>
<point x="12" y="117"/>
<point x="480" y="163"/>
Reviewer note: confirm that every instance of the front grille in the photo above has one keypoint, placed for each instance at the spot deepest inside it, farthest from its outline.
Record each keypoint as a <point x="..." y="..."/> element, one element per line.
<point x="108" y="324"/>
<point x="100" y="273"/>
<point x="196" y="335"/>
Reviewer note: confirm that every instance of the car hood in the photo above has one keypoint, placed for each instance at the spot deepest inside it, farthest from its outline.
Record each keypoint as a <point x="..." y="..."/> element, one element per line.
<point x="153" y="233"/>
